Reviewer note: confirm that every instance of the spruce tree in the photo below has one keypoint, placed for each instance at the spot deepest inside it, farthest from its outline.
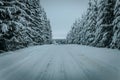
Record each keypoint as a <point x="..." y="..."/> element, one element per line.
<point x="22" y="24"/>
<point x="116" y="29"/>
<point x="91" y="22"/>
<point x="104" y="23"/>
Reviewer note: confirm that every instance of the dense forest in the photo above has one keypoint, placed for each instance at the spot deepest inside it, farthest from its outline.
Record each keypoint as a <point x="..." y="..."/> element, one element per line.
<point x="99" y="26"/>
<point x="23" y="23"/>
<point x="59" y="41"/>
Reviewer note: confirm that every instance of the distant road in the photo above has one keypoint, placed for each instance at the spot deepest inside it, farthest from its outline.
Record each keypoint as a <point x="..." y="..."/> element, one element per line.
<point x="60" y="62"/>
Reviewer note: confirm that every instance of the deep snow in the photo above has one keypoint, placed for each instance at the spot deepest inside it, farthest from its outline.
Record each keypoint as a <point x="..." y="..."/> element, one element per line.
<point x="60" y="62"/>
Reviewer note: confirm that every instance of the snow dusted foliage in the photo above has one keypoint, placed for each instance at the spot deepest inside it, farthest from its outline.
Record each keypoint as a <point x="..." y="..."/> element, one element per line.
<point x="104" y="25"/>
<point x="23" y="23"/>
<point x="83" y="29"/>
<point x="72" y="35"/>
<point x="99" y="27"/>
<point x="116" y="29"/>
<point x="77" y="28"/>
<point x="89" y="27"/>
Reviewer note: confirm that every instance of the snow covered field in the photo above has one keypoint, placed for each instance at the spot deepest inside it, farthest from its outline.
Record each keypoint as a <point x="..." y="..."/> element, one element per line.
<point x="60" y="62"/>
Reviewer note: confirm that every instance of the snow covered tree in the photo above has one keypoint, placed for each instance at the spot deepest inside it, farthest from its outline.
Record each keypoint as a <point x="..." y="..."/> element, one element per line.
<point x="85" y="28"/>
<point x="116" y="29"/>
<point x="100" y="25"/>
<point x="90" y="26"/>
<point x="22" y="24"/>
<point x="104" y="25"/>
<point x="71" y="37"/>
<point x="47" y="33"/>
<point x="75" y="36"/>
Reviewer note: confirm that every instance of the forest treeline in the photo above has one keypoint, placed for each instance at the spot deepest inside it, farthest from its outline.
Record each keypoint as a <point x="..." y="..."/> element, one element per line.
<point x="99" y="26"/>
<point x="23" y="23"/>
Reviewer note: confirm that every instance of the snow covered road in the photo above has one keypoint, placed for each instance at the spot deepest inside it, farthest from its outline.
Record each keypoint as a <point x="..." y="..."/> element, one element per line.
<point x="60" y="62"/>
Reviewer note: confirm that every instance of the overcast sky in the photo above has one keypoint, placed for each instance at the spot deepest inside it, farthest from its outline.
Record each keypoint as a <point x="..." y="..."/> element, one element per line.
<point x="62" y="14"/>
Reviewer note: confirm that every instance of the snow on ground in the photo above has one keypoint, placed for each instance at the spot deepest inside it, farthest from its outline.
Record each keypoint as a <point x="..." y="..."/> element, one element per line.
<point x="61" y="62"/>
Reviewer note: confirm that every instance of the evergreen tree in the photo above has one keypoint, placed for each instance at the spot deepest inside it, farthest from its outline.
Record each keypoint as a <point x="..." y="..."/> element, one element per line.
<point x="83" y="30"/>
<point x="21" y="24"/>
<point x="72" y="38"/>
<point x="99" y="26"/>
<point x="116" y="29"/>
<point x="91" y="22"/>
<point x="104" y="23"/>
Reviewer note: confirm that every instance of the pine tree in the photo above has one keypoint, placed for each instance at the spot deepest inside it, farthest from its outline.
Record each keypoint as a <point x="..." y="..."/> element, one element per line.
<point x="116" y="29"/>
<point x="75" y="36"/>
<point x="71" y="37"/>
<point x="21" y="23"/>
<point x="83" y="29"/>
<point x="10" y="13"/>
<point x="104" y="23"/>
<point x="100" y="25"/>
<point x="91" y="22"/>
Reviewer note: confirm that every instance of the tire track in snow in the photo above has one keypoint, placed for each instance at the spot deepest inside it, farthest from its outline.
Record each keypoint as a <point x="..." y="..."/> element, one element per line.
<point x="56" y="62"/>
<point x="94" y="68"/>
<point x="19" y="70"/>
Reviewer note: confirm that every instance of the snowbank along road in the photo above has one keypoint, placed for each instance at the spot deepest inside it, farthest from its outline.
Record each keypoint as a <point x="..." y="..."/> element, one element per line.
<point x="60" y="62"/>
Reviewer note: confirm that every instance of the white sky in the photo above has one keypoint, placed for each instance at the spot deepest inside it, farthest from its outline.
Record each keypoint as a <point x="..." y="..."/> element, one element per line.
<point x="62" y="14"/>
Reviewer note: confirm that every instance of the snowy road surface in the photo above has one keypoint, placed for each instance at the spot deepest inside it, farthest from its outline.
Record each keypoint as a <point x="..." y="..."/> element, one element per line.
<point x="60" y="62"/>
